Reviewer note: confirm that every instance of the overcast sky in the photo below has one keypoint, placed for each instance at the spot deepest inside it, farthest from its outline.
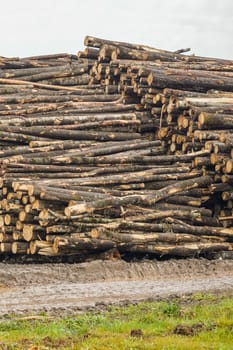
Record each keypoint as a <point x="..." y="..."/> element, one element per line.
<point x="29" y="27"/>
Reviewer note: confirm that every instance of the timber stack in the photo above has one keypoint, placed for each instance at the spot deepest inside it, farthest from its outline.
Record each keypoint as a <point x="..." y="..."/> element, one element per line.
<point x="117" y="150"/>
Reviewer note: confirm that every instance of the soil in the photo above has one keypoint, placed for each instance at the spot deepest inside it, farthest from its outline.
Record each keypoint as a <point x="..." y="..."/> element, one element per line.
<point x="64" y="288"/>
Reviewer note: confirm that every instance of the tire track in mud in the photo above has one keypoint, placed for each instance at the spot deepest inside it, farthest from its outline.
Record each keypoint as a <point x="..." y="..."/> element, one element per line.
<point x="65" y="287"/>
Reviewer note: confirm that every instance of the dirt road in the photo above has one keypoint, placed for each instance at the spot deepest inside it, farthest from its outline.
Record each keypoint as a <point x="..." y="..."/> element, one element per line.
<point x="66" y="287"/>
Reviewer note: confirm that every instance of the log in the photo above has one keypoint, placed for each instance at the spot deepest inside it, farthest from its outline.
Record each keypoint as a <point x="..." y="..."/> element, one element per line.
<point x="62" y="243"/>
<point x="97" y="42"/>
<point x="19" y="247"/>
<point x="141" y="237"/>
<point x="208" y="120"/>
<point x="136" y="199"/>
<point x="6" y="238"/>
<point x="184" y="250"/>
<point x="62" y="134"/>
<point x="41" y="247"/>
<point x="6" y="247"/>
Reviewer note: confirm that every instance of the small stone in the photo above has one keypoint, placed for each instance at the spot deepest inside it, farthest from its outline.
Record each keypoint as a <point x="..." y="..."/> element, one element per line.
<point x="137" y="333"/>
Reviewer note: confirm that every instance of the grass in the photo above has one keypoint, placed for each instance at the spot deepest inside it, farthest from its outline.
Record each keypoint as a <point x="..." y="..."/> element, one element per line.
<point x="193" y="323"/>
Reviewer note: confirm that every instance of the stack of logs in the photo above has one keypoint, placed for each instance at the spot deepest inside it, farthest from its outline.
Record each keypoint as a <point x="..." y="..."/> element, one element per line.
<point x="116" y="150"/>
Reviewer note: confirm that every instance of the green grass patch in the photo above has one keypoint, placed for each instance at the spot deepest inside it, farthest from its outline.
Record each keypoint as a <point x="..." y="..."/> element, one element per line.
<point x="193" y="323"/>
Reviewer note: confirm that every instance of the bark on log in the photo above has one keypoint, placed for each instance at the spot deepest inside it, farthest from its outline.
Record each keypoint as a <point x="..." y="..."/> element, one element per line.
<point x="137" y="199"/>
<point x="184" y="250"/>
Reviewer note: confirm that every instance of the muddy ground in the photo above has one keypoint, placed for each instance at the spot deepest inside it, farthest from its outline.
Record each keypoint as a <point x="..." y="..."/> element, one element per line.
<point x="30" y="288"/>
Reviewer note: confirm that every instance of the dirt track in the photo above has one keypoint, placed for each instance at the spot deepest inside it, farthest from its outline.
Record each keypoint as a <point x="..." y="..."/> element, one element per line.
<point x="65" y="287"/>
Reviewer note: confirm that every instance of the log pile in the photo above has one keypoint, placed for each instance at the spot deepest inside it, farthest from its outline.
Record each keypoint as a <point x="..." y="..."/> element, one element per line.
<point x="117" y="150"/>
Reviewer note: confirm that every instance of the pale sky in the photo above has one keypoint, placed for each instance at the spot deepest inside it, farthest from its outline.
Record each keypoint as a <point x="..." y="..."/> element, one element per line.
<point x="29" y="27"/>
